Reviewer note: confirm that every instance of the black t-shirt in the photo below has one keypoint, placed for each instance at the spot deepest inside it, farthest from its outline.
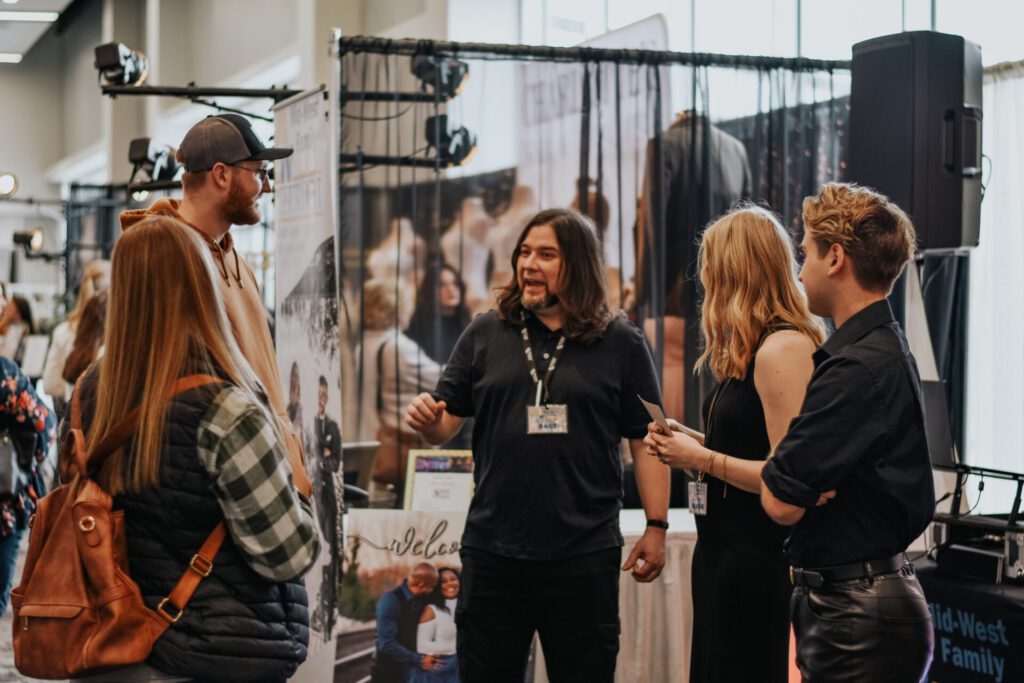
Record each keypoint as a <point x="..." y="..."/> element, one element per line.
<point x="554" y="495"/>
<point x="861" y="432"/>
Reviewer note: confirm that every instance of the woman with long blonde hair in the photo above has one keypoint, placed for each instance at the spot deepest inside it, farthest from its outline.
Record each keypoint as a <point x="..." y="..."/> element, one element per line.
<point x="759" y="339"/>
<point x="213" y="453"/>
<point x="95" y="279"/>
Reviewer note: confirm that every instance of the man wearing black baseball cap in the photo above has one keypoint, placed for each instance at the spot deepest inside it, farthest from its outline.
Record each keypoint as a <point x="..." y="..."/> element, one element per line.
<point x="225" y="175"/>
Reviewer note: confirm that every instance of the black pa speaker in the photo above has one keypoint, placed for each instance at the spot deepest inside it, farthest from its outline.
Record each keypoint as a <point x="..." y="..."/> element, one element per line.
<point x="915" y="131"/>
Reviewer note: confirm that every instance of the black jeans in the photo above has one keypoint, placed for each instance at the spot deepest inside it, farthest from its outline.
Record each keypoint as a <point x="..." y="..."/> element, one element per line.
<point x="876" y="630"/>
<point x="572" y="603"/>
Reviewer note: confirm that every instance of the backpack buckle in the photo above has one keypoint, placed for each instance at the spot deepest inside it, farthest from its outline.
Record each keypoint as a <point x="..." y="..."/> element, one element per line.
<point x="162" y="611"/>
<point x="200" y="565"/>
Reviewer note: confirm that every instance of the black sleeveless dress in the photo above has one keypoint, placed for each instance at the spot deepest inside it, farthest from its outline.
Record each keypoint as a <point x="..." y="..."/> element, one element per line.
<point x="740" y="579"/>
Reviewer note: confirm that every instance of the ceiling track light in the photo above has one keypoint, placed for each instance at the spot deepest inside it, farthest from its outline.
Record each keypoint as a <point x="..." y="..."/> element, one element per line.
<point x="32" y="241"/>
<point x="118" y="64"/>
<point x="444" y="76"/>
<point x="454" y="148"/>
<point x="8" y="184"/>
<point x="151" y="161"/>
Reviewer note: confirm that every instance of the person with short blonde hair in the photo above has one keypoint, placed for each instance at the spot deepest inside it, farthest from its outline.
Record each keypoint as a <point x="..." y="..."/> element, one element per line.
<point x="759" y="339"/>
<point x="876" y="234"/>
<point x="861" y="434"/>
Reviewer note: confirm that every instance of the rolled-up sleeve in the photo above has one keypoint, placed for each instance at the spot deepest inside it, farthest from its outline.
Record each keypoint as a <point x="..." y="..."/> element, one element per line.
<point x="832" y="433"/>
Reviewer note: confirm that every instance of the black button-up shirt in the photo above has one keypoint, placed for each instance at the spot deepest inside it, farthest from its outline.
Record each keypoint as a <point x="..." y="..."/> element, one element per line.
<point x="861" y="432"/>
<point x="547" y="496"/>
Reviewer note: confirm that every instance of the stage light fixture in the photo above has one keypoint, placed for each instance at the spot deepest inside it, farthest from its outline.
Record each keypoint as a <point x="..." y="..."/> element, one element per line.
<point x="120" y="65"/>
<point x="151" y="161"/>
<point x="8" y="184"/>
<point x="456" y="147"/>
<point x="445" y="76"/>
<point x="32" y="241"/>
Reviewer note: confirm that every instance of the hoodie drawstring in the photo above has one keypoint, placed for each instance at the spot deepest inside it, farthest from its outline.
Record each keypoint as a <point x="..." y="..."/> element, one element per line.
<point x="224" y="266"/>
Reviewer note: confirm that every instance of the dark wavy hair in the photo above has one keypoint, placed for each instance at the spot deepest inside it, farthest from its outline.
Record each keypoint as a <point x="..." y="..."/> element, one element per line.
<point x="582" y="291"/>
<point x="427" y="304"/>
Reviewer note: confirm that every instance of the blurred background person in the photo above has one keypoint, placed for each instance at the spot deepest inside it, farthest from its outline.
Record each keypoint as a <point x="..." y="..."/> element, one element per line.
<point x="16" y="323"/>
<point x="441" y="314"/>
<point x="96" y="278"/>
<point x="27" y="428"/>
<point x="88" y="344"/>
<point x="395" y="369"/>
<point x="438" y="322"/>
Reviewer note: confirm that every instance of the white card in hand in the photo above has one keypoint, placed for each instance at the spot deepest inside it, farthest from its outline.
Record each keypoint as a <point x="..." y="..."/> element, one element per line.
<point x="654" y="410"/>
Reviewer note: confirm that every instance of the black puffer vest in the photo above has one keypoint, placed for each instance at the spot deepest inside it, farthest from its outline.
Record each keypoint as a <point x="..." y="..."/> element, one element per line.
<point x="238" y="626"/>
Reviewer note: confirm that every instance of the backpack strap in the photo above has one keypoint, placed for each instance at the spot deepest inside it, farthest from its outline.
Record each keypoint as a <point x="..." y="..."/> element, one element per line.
<point x="172" y="607"/>
<point x="201" y="564"/>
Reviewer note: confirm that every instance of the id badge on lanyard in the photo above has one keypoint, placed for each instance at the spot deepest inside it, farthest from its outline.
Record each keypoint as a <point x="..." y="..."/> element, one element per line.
<point x="543" y="417"/>
<point x="697" y="496"/>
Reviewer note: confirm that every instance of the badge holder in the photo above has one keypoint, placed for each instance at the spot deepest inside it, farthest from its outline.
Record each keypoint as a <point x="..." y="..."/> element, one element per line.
<point x="547" y="418"/>
<point x="697" y="492"/>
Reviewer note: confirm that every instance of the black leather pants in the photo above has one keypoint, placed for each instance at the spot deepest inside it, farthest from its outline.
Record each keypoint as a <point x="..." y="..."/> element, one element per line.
<point x="876" y="630"/>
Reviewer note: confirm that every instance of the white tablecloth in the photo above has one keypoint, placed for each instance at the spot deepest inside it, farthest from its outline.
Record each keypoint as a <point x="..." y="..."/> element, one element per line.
<point x="656" y="617"/>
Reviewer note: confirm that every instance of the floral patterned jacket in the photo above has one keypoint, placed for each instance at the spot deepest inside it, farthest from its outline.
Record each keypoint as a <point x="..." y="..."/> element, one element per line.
<point x="30" y="426"/>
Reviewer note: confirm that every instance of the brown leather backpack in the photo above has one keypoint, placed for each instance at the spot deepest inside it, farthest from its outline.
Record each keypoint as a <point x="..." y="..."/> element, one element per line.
<point x="77" y="611"/>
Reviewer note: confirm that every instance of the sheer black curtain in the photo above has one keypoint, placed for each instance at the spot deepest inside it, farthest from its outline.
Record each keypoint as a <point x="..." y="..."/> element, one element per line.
<point x="652" y="146"/>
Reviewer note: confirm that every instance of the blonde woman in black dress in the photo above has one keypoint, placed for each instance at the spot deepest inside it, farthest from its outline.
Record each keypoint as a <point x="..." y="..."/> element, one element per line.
<point x="759" y="340"/>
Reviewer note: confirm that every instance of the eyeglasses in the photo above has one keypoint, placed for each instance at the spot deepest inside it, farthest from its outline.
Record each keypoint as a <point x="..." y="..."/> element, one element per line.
<point x="262" y="173"/>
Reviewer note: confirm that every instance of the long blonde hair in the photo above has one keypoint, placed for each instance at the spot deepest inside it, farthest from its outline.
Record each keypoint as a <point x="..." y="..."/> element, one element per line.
<point x="750" y="284"/>
<point x="165" y="319"/>
<point x="89" y="288"/>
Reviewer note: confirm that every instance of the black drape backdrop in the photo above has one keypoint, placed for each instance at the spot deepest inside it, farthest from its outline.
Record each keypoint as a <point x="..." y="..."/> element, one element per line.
<point x="653" y="147"/>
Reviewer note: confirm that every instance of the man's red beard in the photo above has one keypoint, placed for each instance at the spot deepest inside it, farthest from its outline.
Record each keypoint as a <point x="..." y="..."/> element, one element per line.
<point x="238" y="208"/>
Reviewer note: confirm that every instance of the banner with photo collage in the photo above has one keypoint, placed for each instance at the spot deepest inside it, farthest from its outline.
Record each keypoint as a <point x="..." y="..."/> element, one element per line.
<point x="307" y="335"/>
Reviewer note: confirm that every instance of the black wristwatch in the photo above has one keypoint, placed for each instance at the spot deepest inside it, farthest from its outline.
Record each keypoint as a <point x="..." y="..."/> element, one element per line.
<point x="660" y="523"/>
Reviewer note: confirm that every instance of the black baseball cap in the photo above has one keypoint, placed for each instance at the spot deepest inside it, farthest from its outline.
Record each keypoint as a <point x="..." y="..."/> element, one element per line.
<point x="225" y="139"/>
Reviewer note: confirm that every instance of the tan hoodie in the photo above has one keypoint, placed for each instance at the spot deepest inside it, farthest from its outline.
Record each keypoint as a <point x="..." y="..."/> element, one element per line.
<point x="248" y="318"/>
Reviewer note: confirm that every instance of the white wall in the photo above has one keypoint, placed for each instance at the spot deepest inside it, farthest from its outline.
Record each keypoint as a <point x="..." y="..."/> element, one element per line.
<point x="488" y="106"/>
<point x="30" y="118"/>
<point x="80" y="92"/>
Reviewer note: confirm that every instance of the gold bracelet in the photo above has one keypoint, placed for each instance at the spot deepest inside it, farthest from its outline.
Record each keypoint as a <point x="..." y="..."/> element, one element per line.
<point x="725" y="473"/>
<point x="710" y="462"/>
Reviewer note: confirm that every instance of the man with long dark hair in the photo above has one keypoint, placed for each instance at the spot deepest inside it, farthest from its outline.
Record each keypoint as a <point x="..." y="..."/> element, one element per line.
<point x="552" y="378"/>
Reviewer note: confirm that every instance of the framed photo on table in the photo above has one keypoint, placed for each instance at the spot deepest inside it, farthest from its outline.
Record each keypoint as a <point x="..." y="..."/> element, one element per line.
<point x="439" y="480"/>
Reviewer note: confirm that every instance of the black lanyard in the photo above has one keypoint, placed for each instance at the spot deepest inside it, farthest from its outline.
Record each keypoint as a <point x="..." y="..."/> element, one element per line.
<point x="533" y="366"/>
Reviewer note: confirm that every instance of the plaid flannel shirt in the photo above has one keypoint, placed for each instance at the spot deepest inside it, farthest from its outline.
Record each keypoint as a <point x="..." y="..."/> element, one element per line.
<point x="270" y="523"/>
